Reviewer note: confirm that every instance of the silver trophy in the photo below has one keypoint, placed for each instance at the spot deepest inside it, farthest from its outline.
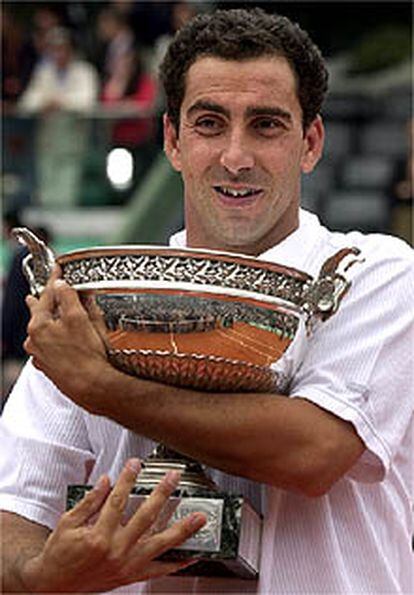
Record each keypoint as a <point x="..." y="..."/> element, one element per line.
<point x="207" y="320"/>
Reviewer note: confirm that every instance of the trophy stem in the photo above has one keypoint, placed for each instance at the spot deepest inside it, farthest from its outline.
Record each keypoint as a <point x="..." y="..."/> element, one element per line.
<point x="193" y="477"/>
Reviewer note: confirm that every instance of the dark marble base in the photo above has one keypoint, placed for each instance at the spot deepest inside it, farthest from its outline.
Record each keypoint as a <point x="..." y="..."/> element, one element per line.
<point x="228" y="545"/>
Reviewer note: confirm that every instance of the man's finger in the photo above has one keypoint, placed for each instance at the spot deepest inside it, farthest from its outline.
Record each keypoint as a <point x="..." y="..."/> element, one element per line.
<point x="65" y="294"/>
<point x="31" y="301"/>
<point x="96" y="316"/>
<point x="89" y="505"/>
<point x="146" y="515"/>
<point x="67" y="301"/>
<point x="43" y="309"/>
<point x="38" y="318"/>
<point x="172" y="537"/>
<point x="113" y="509"/>
<point x="47" y="297"/>
<point x="55" y="274"/>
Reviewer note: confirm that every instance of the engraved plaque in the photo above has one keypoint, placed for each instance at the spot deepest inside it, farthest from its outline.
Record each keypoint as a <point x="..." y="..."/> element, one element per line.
<point x="228" y="545"/>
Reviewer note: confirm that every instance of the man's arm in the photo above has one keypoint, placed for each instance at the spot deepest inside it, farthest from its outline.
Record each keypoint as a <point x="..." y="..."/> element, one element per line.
<point x="288" y="443"/>
<point x="22" y="541"/>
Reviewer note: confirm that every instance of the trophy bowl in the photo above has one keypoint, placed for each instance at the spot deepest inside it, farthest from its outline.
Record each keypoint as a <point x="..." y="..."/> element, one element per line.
<point x="200" y="319"/>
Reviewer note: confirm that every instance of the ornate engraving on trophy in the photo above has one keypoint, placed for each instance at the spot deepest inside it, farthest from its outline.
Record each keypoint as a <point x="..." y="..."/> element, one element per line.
<point x="208" y="539"/>
<point x="179" y="269"/>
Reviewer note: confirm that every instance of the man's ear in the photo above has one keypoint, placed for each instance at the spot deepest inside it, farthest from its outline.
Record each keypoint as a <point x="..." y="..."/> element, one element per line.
<point x="171" y="143"/>
<point x="313" y="145"/>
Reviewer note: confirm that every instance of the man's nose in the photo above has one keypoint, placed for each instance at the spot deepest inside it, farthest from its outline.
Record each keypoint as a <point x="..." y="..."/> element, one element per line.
<point x="236" y="155"/>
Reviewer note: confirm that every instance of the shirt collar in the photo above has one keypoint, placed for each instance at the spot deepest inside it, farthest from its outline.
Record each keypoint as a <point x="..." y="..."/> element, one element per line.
<point x="296" y="250"/>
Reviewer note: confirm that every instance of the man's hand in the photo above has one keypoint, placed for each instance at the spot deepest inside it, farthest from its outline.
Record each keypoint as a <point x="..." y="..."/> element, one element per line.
<point x="64" y="342"/>
<point x="82" y="557"/>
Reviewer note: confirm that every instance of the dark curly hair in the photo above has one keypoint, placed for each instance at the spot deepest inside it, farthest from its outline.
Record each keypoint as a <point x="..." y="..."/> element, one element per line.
<point x="239" y="34"/>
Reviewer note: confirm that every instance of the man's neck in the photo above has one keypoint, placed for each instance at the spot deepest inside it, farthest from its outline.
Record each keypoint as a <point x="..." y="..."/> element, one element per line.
<point x="199" y="240"/>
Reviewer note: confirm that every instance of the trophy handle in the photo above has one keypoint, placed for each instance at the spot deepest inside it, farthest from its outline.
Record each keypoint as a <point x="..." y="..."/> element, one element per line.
<point x="323" y="296"/>
<point x="38" y="265"/>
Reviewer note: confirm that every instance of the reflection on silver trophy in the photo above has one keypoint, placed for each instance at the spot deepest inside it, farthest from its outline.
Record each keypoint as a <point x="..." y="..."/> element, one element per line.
<point x="205" y="320"/>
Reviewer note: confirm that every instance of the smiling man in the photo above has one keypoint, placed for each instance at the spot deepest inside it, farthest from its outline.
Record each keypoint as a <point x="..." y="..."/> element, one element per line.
<point x="240" y="147"/>
<point x="331" y="460"/>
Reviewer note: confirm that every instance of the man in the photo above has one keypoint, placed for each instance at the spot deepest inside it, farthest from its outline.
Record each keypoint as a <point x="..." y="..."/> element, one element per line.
<point x="331" y="462"/>
<point x="62" y="87"/>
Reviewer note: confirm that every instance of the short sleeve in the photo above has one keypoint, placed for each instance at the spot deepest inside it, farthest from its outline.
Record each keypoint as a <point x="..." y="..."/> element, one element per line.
<point x="45" y="447"/>
<point x="359" y="365"/>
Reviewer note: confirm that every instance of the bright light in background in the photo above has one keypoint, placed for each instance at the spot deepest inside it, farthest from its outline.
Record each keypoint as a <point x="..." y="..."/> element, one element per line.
<point x="119" y="168"/>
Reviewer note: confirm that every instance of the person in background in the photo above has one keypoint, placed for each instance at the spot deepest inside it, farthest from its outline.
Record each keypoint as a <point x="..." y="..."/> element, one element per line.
<point x="45" y="18"/>
<point x="131" y="99"/>
<point x="180" y="13"/>
<point x="114" y="32"/>
<point x="18" y="60"/>
<point x="62" y="81"/>
<point x="62" y="88"/>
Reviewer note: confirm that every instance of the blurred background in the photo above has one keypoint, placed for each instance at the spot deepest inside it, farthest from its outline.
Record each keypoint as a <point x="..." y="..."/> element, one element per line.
<point x="82" y="160"/>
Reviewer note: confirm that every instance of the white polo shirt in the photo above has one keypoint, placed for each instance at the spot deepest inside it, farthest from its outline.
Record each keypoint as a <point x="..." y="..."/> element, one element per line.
<point x="359" y="366"/>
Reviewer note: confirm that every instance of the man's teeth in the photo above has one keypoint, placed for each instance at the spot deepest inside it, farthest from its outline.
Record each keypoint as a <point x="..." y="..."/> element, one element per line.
<point x="236" y="193"/>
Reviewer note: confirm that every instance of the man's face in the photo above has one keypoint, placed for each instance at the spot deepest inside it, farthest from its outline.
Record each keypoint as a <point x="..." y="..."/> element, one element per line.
<point x="241" y="150"/>
<point x="60" y="54"/>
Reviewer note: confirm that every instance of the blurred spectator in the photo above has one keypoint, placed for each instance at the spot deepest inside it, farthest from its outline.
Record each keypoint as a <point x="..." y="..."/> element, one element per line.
<point x="132" y="97"/>
<point x="180" y="13"/>
<point x="62" y="81"/>
<point x="401" y="192"/>
<point x="19" y="57"/>
<point x="46" y="17"/>
<point x="61" y="87"/>
<point x="118" y="39"/>
<point x="135" y="91"/>
<point x="129" y="93"/>
<point x="125" y="7"/>
<point x="15" y="315"/>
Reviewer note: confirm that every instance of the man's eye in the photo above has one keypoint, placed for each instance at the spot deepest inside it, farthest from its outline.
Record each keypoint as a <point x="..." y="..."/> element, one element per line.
<point x="208" y="126"/>
<point x="267" y="126"/>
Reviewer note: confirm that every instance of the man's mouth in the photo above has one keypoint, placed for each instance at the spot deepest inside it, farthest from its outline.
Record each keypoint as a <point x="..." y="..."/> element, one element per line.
<point x="229" y="192"/>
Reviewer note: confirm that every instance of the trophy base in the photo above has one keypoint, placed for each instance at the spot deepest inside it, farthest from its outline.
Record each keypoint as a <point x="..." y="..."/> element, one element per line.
<point x="229" y="543"/>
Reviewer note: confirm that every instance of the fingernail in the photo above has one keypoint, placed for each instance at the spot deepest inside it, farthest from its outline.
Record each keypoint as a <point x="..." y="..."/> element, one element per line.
<point x="172" y="479"/>
<point x="100" y="484"/>
<point x="59" y="283"/>
<point x="134" y="465"/>
<point x="197" y="520"/>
